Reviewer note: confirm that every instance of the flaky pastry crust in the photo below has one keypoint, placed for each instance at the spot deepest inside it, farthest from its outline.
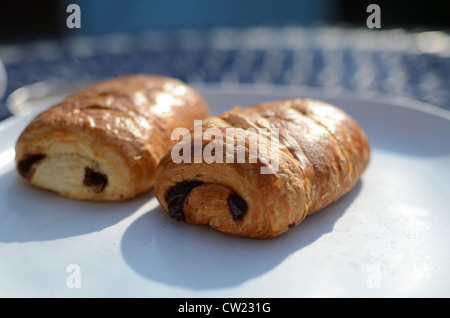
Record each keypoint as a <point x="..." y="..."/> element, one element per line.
<point x="321" y="153"/>
<point x="105" y="142"/>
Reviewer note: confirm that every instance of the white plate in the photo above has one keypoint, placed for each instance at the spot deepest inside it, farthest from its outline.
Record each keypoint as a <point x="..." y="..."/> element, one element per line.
<point x="387" y="238"/>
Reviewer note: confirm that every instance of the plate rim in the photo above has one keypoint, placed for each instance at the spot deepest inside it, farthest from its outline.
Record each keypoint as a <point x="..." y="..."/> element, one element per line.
<point x="254" y="88"/>
<point x="343" y="94"/>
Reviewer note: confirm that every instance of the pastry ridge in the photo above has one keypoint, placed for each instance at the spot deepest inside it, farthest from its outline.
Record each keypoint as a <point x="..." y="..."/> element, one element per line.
<point x="321" y="154"/>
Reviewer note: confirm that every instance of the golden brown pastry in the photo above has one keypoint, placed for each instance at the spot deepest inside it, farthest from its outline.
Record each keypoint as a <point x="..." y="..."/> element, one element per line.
<point x="104" y="142"/>
<point x="320" y="155"/>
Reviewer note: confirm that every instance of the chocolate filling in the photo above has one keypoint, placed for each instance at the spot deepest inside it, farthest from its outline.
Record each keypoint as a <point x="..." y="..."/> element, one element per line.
<point x="95" y="179"/>
<point x="238" y="206"/>
<point x="27" y="166"/>
<point x="176" y="196"/>
<point x="178" y="193"/>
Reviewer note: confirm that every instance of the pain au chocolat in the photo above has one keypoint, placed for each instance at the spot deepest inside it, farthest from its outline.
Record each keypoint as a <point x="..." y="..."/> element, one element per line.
<point x="105" y="141"/>
<point x="320" y="153"/>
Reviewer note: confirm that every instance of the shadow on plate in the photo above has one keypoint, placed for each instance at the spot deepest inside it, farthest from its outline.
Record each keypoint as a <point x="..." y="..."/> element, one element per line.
<point x="30" y="214"/>
<point x="198" y="257"/>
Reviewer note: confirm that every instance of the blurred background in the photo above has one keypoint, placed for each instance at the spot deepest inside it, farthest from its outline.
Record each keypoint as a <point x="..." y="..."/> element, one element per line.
<point x="322" y="43"/>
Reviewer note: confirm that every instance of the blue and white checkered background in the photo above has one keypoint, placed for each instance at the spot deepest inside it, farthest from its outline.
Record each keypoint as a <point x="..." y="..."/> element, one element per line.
<point x="394" y="62"/>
